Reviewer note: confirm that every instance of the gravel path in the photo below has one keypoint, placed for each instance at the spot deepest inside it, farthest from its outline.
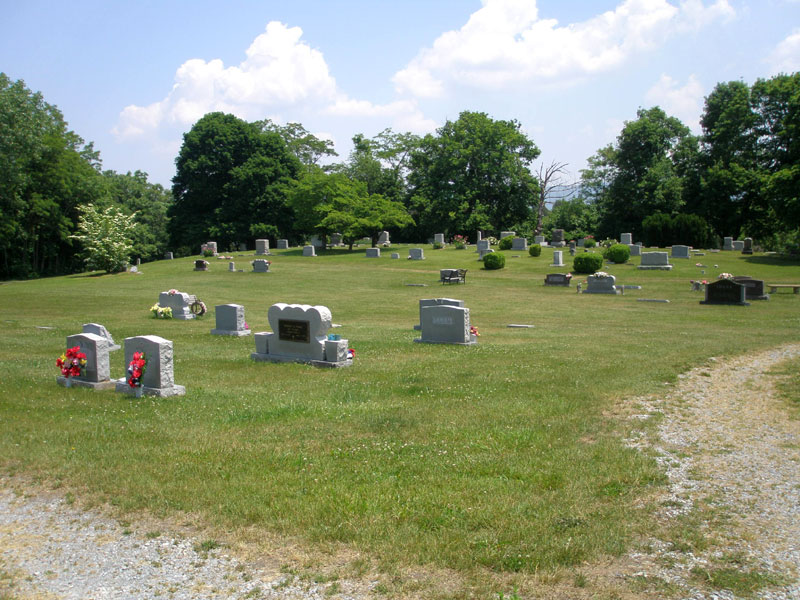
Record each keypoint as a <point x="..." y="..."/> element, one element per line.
<point x="723" y="439"/>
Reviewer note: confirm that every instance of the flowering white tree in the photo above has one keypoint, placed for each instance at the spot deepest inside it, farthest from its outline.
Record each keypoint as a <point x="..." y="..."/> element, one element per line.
<point x="106" y="236"/>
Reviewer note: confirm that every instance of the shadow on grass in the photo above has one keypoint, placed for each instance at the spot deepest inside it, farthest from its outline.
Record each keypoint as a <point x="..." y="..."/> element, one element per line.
<point x="774" y="260"/>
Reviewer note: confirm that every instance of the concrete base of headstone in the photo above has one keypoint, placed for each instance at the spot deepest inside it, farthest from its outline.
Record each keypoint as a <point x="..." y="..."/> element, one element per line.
<point x="470" y="343"/>
<point x="122" y="387"/>
<point x="234" y="332"/>
<point x="77" y="382"/>
<point x="335" y="350"/>
<point x="655" y="267"/>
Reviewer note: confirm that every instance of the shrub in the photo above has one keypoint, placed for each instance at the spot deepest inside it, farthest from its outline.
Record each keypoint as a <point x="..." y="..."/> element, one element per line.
<point x="589" y="243"/>
<point x="494" y="260"/>
<point x="460" y="242"/>
<point x="588" y="262"/>
<point x="535" y="250"/>
<point x="208" y="253"/>
<point x="437" y="246"/>
<point x="618" y="253"/>
<point x="506" y="243"/>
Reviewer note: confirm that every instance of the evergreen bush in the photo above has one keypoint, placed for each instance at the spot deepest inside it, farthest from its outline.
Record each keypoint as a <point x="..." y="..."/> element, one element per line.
<point x="588" y="262"/>
<point x="589" y="243"/>
<point x="535" y="250"/>
<point x="494" y="260"/>
<point x="618" y="253"/>
<point x="506" y="243"/>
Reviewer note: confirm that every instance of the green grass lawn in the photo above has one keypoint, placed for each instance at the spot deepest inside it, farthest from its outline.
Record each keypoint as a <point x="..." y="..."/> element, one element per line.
<point x="495" y="458"/>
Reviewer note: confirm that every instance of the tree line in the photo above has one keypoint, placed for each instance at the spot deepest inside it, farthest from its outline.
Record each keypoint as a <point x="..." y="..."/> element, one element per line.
<point x="237" y="181"/>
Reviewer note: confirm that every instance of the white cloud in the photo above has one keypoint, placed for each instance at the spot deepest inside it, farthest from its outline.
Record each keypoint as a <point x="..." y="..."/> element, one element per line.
<point x="785" y="58"/>
<point x="404" y="114"/>
<point x="506" y="42"/>
<point x="280" y="72"/>
<point x="684" y="102"/>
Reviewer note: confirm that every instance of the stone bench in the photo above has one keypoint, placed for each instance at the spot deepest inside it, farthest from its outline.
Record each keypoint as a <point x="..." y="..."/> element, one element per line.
<point x="773" y="287"/>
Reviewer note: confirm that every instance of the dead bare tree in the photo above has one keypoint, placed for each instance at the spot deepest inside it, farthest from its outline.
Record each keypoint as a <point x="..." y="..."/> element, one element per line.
<point x="550" y="179"/>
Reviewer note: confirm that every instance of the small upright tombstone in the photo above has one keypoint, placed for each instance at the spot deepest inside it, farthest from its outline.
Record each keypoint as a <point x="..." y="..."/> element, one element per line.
<point x="260" y="265"/>
<point x="232" y="267"/>
<point x="557" y="279"/>
<point x="581" y="242"/>
<point x="738" y="245"/>
<point x="395" y="255"/>
<point x="539" y="239"/>
<point x="725" y="291"/>
<point x="242" y="247"/>
<point x="158" y="378"/>
<point x="626" y="238"/>
<point x="373" y="252"/>
<point x="505" y="234"/>
<point x="316" y="242"/>
<point x="426" y="302"/>
<point x="95" y="374"/>
<point x="262" y="247"/>
<point x="299" y="335"/>
<point x="600" y="284"/>
<point x="655" y="261"/>
<point x="200" y="265"/>
<point x="168" y="256"/>
<point x="179" y="302"/>
<point x="438" y="238"/>
<point x="98" y="329"/>
<point x="557" y="239"/>
<point x="680" y="252"/>
<point x="558" y="258"/>
<point x="383" y="239"/>
<point x="283" y="244"/>
<point x="636" y="249"/>
<point x="442" y="324"/>
<point x="309" y="251"/>
<point x="727" y="243"/>
<point x="230" y="320"/>
<point x="416" y="254"/>
<point x="519" y="243"/>
<point x="748" y="246"/>
<point x="482" y="246"/>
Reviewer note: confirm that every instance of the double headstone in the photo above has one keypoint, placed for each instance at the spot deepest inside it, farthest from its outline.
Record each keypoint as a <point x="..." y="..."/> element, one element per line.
<point x="260" y="265"/>
<point x="373" y="252"/>
<point x="558" y="258"/>
<point x="96" y="373"/>
<point x="179" y="302"/>
<point x="309" y="251"/>
<point x="299" y="334"/>
<point x="425" y="303"/>
<point x="446" y="324"/>
<point x="416" y="254"/>
<point x="557" y="279"/>
<point x="680" y="252"/>
<point x="655" y="261"/>
<point x="625" y="238"/>
<point x="738" y="245"/>
<point x="158" y="378"/>
<point x="725" y="291"/>
<point x="262" y="247"/>
<point x="600" y="284"/>
<point x="230" y="320"/>
<point x="283" y="244"/>
<point x="557" y="238"/>
<point x="519" y="243"/>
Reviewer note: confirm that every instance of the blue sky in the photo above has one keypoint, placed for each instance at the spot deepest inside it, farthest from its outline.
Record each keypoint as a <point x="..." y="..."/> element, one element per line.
<point x="134" y="76"/>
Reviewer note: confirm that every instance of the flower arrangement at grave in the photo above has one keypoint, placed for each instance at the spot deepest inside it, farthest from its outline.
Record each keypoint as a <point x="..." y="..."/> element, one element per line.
<point x="161" y="312"/>
<point x="173" y="291"/>
<point x="198" y="308"/>
<point x="351" y="353"/>
<point x="460" y="242"/>
<point x="72" y="362"/>
<point x="568" y="276"/>
<point x="474" y="331"/>
<point x="136" y="369"/>
<point x="725" y="276"/>
<point x="601" y="275"/>
<point x="492" y="240"/>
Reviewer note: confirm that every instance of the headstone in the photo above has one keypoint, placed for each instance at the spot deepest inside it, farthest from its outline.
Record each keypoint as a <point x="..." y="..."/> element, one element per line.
<point x="655" y="261"/>
<point x="373" y="252"/>
<point x="754" y="288"/>
<point x="316" y="242"/>
<point x="283" y="244"/>
<point x="138" y="262"/>
<point x="482" y="246"/>
<point x="748" y="246"/>
<point x="95" y="374"/>
<point x="600" y="284"/>
<point x="479" y="237"/>
<point x="581" y="242"/>
<point x="98" y="329"/>
<point x="383" y="238"/>
<point x="505" y="234"/>
<point x="424" y="303"/>
<point x="636" y="249"/>
<point x="557" y="239"/>
<point x="299" y="334"/>
<point x="262" y="247"/>
<point x="242" y="247"/>
<point x="230" y="320"/>
<point x="539" y="239"/>
<point x="482" y="253"/>
<point x="680" y="252"/>
<point x="442" y="324"/>
<point x="169" y="256"/>
<point x="557" y="279"/>
<point x="260" y="265"/>
<point x="727" y="243"/>
<point x="558" y="258"/>
<point x="336" y="239"/>
<point x="738" y="245"/>
<point x="725" y="291"/>
<point x="626" y="238"/>
<point x="200" y="265"/>
<point x="309" y="251"/>
<point x="232" y="267"/>
<point x="519" y="243"/>
<point x="209" y="247"/>
<point x="395" y="255"/>
<point x="572" y="251"/>
<point x="416" y="254"/>
<point x="158" y="378"/>
<point x="179" y="302"/>
<point x="438" y="238"/>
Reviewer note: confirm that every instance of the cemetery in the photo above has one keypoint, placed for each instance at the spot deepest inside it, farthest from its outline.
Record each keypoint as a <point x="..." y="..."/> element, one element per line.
<point x="420" y="381"/>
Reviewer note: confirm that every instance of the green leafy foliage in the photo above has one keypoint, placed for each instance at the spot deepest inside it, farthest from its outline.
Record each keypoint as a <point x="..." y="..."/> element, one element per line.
<point x="535" y="250"/>
<point x="589" y="243"/>
<point x="618" y="253"/>
<point x="664" y="230"/>
<point x="577" y="217"/>
<point x="106" y="237"/>
<point x="587" y="262"/>
<point x="493" y="261"/>
<point x="506" y="243"/>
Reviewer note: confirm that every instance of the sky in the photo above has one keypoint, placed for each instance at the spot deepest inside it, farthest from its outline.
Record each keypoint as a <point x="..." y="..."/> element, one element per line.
<point x="134" y="76"/>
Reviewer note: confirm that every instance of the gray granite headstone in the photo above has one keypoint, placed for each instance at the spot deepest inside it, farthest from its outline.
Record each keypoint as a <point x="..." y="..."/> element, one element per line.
<point x="636" y="249"/>
<point x="626" y="238"/>
<point x="180" y="304"/>
<point x="158" y="378"/>
<point x="426" y="302"/>
<point x="519" y="243"/>
<point x="416" y="254"/>
<point x="96" y="373"/>
<point x="596" y="284"/>
<point x="262" y="247"/>
<point x="309" y="251"/>
<point x="680" y="252"/>
<point x="383" y="238"/>
<point x="373" y="252"/>
<point x="727" y="243"/>
<point x="100" y="330"/>
<point x="168" y="256"/>
<point x="260" y="265"/>
<point x="438" y="238"/>
<point x="283" y="244"/>
<point x="738" y="245"/>
<point x="655" y="261"/>
<point x="748" y="246"/>
<point x="558" y="258"/>
<point x="442" y="324"/>
<point x="505" y="234"/>
<point x="230" y="320"/>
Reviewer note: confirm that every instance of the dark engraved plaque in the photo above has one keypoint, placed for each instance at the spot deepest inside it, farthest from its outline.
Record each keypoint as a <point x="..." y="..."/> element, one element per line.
<point x="290" y="330"/>
<point x="725" y="291"/>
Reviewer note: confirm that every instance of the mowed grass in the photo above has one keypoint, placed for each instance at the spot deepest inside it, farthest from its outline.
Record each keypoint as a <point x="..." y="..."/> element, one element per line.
<point x="500" y="456"/>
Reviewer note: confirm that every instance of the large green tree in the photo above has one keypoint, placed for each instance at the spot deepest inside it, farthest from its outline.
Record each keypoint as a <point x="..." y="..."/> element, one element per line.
<point x="231" y="183"/>
<point x="473" y="174"/>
